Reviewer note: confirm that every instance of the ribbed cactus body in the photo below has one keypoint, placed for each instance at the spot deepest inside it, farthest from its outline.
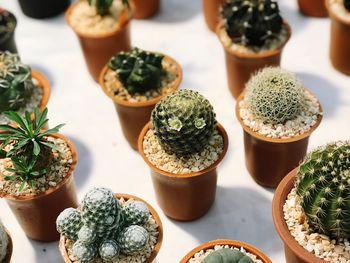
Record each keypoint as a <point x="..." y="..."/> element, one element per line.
<point x="135" y="213"/>
<point x="323" y="184"/>
<point x="183" y="122"/>
<point x="227" y="255"/>
<point x="252" y="22"/>
<point x="68" y="223"/>
<point x="347" y="4"/>
<point x="87" y="235"/>
<point x="85" y="253"/>
<point x="133" y="239"/>
<point x="109" y="250"/>
<point x="3" y="242"/>
<point x="138" y="70"/>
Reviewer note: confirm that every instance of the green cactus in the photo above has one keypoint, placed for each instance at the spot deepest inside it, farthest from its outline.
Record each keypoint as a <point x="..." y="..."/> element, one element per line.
<point x="227" y="255"/>
<point x="83" y="252"/>
<point x="133" y="239"/>
<point x="275" y="95"/>
<point x="3" y="242"/>
<point x="68" y="223"/>
<point x="109" y="250"/>
<point x="323" y="185"/>
<point x="253" y="22"/>
<point x="347" y="4"/>
<point x="138" y="70"/>
<point x="183" y="122"/>
<point x="103" y="6"/>
<point x="16" y="85"/>
<point x="135" y="213"/>
<point x="87" y="235"/>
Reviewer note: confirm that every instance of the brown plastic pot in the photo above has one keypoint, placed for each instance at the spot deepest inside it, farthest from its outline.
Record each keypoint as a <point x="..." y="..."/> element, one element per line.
<point x="156" y="217"/>
<point x="134" y="115"/>
<point x="211" y="9"/>
<point x="222" y="242"/>
<point x="8" y="256"/>
<point x="37" y="214"/>
<point x="98" y="49"/>
<point x="268" y="160"/>
<point x="314" y="8"/>
<point x="184" y="197"/>
<point x="142" y="9"/>
<point x="240" y="66"/>
<point x="340" y="42"/>
<point x="293" y="251"/>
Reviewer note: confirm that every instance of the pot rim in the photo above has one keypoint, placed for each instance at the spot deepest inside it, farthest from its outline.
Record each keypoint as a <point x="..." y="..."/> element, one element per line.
<point x="221" y="130"/>
<point x="252" y="55"/>
<point x="140" y="104"/>
<point x="235" y="243"/>
<point x="277" y="140"/>
<point x="335" y="16"/>
<point x="69" y="174"/>
<point x="278" y="202"/>
<point x="154" y="214"/>
<point x="9" y="250"/>
<point x="14" y="20"/>
<point x="124" y="20"/>
<point x="45" y="86"/>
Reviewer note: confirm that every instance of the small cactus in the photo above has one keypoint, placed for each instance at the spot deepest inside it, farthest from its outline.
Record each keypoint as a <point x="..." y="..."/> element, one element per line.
<point x="3" y="242"/>
<point x="83" y="252"/>
<point x="68" y="223"/>
<point x="133" y="239"/>
<point x="109" y="250"/>
<point x="323" y="185"/>
<point x="227" y="255"/>
<point x="138" y="70"/>
<point x="135" y="213"/>
<point x="103" y="6"/>
<point x="275" y="95"/>
<point x="183" y="122"/>
<point x="347" y="4"/>
<point x="87" y="235"/>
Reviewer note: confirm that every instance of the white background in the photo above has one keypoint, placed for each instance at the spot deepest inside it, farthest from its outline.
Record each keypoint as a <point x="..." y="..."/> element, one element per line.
<point x="242" y="209"/>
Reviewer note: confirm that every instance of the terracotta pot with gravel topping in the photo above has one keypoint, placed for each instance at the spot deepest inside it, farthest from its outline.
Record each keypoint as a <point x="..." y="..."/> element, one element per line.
<point x="64" y="252"/>
<point x="315" y="8"/>
<point x="142" y="9"/>
<point x="211" y="10"/>
<point x="8" y="256"/>
<point x="184" y="197"/>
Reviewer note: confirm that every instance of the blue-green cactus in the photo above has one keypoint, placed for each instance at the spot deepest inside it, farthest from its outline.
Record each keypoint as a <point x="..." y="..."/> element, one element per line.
<point x="87" y="235"/>
<point x="135" y="213"/>
<point x="227" y="255"/>
<point x="109" y="250"/>
<point x="68" y="223"/>
<point x="133" y="239"/>
<point x="85" y="253"/>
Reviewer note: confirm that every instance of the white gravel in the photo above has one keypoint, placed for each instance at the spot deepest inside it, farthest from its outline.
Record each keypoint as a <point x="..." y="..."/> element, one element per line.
<point x="339" y="9"/>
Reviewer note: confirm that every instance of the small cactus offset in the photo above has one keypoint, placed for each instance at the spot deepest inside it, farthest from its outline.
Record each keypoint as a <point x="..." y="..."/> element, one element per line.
<point x="347" y="4"/>
<point x="227" y="255"/>
<point x="275" y="95"/>
<point x="133" y="239"/>
<point x="68" y="223"/>
<point x="252" y="22"/>
<point x="183" y="122"/>
<point x="138" y="70"/>
<point x="3" y="242"/>
<point x="85" y="253"/>
<point x="135" y="213"/>
<point x="323" y="185"/>
<point x="109" y="250"/>
<point x="16" y="85"/>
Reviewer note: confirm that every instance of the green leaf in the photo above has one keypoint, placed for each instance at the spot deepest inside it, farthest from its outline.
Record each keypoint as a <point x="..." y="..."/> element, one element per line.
<point x="36" y="148"/>
<point x="8" y="128"/>
<point x="18" y="146"/>
<point x="51" y="131"/>
<point x="13" y="116"/>
<point x="42" y="119"/>
<point x="10" y="178"/>
<point x="51" y="145"/>
<point x="29" y="123"/>
<point x="21" y="188"/>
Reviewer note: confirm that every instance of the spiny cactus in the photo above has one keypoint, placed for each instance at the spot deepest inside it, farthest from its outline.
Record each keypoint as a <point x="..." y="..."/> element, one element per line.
<point x="68" y="223"/>
<point x="109" y="250"/>
<point x="87" y="235"/>
<point x="138" y="70"/>
<point x="133" y="239"/>
<point x="135" y="213"/>
<point x="85" y="253"/>
<point x="183" y="122"/>
<point x="16" y="85"/>
<point x="323" y="184"/>
<point x="3" y="242"/>
<point x="252" y="22"/>
<point x="275" y="95"/>
<point x="227" y="255"/>
<point x="347" y="4"/>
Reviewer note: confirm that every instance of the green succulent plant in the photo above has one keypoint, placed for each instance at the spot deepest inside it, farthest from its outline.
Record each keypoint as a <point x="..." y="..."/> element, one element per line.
<point x="347" y="4"/>
<point x="138" y="70"/>
<point x="227" y="255"/>
<point x="3" y="242"/>
<point x="69" y="223"/>
<point x="135" y="213"/>
<point x="183" y="122"/>
<point x="132" y="239"/>
<point x="85" y="253"/>
<point x="103" y="6"/>
<point x="109" y="250"/>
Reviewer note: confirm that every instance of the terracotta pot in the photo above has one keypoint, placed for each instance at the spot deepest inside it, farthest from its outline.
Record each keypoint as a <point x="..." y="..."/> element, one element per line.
<point x="44" y="84"/>
<point x="142" y="9"/>
<point x="98" y="49"/>
<point x="43" y="8"/>
<point x="211" y="9"/>
<point x="340" y="42"/>
<point x="156" y="217"/>
<point x="134" y="115"/>
<point x="293" y="251"/>
<point x="315" y="8"/>
<point x="268" y="160"/>
<point x="37" y="214"/>
<point x="8" y="256"/>
<point x="7" y="42"/>
<point x="184" y="197"/>
<point x="240" y="66"/>
<point x="211" y="244"/>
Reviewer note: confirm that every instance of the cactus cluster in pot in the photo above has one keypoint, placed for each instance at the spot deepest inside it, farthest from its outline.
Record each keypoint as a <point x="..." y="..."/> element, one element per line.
<point x="4" y="241"/>
<point x="227" y="255"/>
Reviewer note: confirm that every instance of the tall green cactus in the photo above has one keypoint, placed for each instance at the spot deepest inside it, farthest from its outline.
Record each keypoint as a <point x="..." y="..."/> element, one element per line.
<point x="323" y="184"/>
<point x="227" y="255"/>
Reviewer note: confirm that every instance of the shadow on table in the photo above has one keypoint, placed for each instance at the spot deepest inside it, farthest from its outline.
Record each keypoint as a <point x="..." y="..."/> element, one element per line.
<point x="46" y="252"/>
<point x="173" y="11"/>
<point x="240" y="214"/>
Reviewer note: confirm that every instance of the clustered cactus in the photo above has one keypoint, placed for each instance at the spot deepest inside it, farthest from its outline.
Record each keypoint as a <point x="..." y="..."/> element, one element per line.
<point x="103" y="6"/>
<point x="138" y="70"/>
<point x="227" y="255"/>
<point x="183" y="122"/>
<point x="102" y="227"/>
<point x="16" y="85"/>
<point x="3" y="242"/>
<point x="323" y="185"/>
<point x="275" y="95"/>
<point x="347" y="4"/>
<point x="252" y="22"/>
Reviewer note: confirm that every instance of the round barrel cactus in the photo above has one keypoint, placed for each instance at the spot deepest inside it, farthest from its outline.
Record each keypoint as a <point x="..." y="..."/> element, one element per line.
<point x="3" y="242"/>
<point x="85" y="253"/>
<point x="135" y="213"/>
<point x="133" y="239"/>
<point x="68" y="223"/>
<point x="347" y="4"/>
<point x="87" y="235"/>
<point x="323" y="185"/>
<point x="109" y="250"/>
<point x="275" y="95"/>
<point x="253" y="22"/>
<point x="183" y="122"/>
<point x="227" y="255"/>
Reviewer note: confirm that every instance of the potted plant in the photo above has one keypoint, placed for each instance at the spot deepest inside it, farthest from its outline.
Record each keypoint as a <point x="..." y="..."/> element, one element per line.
<point x="8" y="23"/>
<point x="43" y="8"/>
<point x="36" y="168"/>
<point x="110" y="228"/>
<point x="103" y="29"/>
<point x="142" y="9"/>
<point x="136" y="81"/>
<point x="183" y="144"/>
<point x="5" y="245"/>
<point x="339" y="12"/>
<point x="21" y="89"/>
<point x="211" y="9"/>
<point x="310" y="207"/>
<point x="253" y="35"/>
<point x="277" y="115"/>
<point x="315" y="8"/>
<point x="225" y="251"/>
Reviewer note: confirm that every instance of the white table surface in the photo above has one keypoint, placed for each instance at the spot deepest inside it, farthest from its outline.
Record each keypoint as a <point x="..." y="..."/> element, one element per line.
<point x="242" y="209"/>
